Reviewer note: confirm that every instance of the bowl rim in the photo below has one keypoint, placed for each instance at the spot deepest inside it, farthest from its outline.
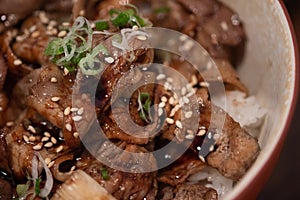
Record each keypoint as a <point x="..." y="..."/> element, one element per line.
<point x="254" y="187"/>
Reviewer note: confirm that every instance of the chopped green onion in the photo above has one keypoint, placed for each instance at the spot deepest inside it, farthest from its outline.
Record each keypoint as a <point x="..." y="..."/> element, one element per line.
<point x="37" y="188"/>
<point x="144" y="102"/>
<point x="54" y="47"/>
<point x="68" y="51"/>
<point x="101" y="25"/>
<point x="90" y="64"/>
<point x="104" y="173"/>
<point x="126" y="18"/>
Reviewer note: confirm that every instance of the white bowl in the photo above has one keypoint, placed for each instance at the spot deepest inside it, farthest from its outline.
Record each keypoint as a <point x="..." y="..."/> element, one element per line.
<point x="270" y="70"/>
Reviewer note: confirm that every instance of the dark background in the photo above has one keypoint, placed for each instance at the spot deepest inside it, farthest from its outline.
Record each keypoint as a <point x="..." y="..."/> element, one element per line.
<point x="284" y="183"/>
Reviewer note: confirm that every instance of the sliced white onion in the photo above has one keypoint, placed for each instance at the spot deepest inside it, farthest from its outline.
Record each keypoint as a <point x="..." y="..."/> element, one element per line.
<point x="44" y="192"/>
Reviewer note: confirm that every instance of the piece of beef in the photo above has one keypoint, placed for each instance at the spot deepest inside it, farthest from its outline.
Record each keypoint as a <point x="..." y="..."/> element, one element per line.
<point x="124" y="61"/>
<point x="20" y="153"/>
<point x="188" y="192"/>
<point x="6" y="179"/>
<point x="19" y="69"/>
<point x="3" y="108"/>
<point x="51" y="99"/>
<point x="234" y="149"/>
<point x="122" y="184"/>
<point x="3" y="72"/>
<point x="32" y="46"/>
<point x="178" y="172"/>
<point x="123" y="120"/>
<point x="216" y="27"/>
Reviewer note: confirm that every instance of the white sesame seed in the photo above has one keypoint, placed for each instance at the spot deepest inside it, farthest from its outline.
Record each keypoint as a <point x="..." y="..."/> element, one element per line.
<point x="53" y="140"/>
<point x="178" y="124"/>
<point x="160" y="77"/>
<point x="59" y="149"/>
<point x="35" y="34"/>
<point x="43" y="17"/>
<point x="191" y="93"/>
<point x="67" y="111"/>
<point x="73" y="168"/>
<point x="174" y="110"/>
<point x="167" y="156"/>
<point x="224" y="26"/>
<point x="69" y="127"/>
<point x="32" y="28"/>
<point x="216" y="136"/>
<point x="211" y="148"/>
<point x="109" y="60"/>
<point x="194" y="80"/>
<point x="62" y="33"/>
<point x="198" y="148"/>
<point x="172" y="113"/>
<point x="81" y="12"/>
<point x="77" y="118"/>
<point x="170" y="80"/>
<point x="47" y="160"/>
<point x="167" y="86"/>
<point x="160" y="112"/>
<point x="38" y="146"/>
<point x="17" y="62"/>
<point x="74" y="109"/>
<point x="76" y="134"/>
<point x="142" y="37"/>
<point x="201" y="132"/>
<point x="52" y="23"/>
<point x="51" y="164"/>
<point x="171" y="101"/>
<point x="204" y="84"/>
<point x="202" y="158"/>
<point x="80" y="111"/>
<point x="48" y="144"/>
<point x="53" y="80"/>
<point x="161" y="104"/>
<point x="20" y="38"/>
<point x="163" y="99"/>
<point x="209" y="136"/>
<point x="169" y="120"/>
<point x="55" y="99"/>
<point x="188" y="114"/>
<point x="31" y="129"/>
<point x="65" y="24"/>
<point x="189" y="137"/>
<point x="25" y="138"/>
<point x="235" y="20"/>
<point x="66" y="71"/>
<point x="10" y="124"/>
<point x="135" y="28"/>
<point x="32" y="138"/>
<point x="185" y="100"/>
<point x="45" y="139"/>
<point x="47" y="134"/>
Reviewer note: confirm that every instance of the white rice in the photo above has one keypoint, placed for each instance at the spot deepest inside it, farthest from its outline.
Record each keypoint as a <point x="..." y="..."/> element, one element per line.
<point x="213" y="180"/>
<point x="242" y="109"/>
